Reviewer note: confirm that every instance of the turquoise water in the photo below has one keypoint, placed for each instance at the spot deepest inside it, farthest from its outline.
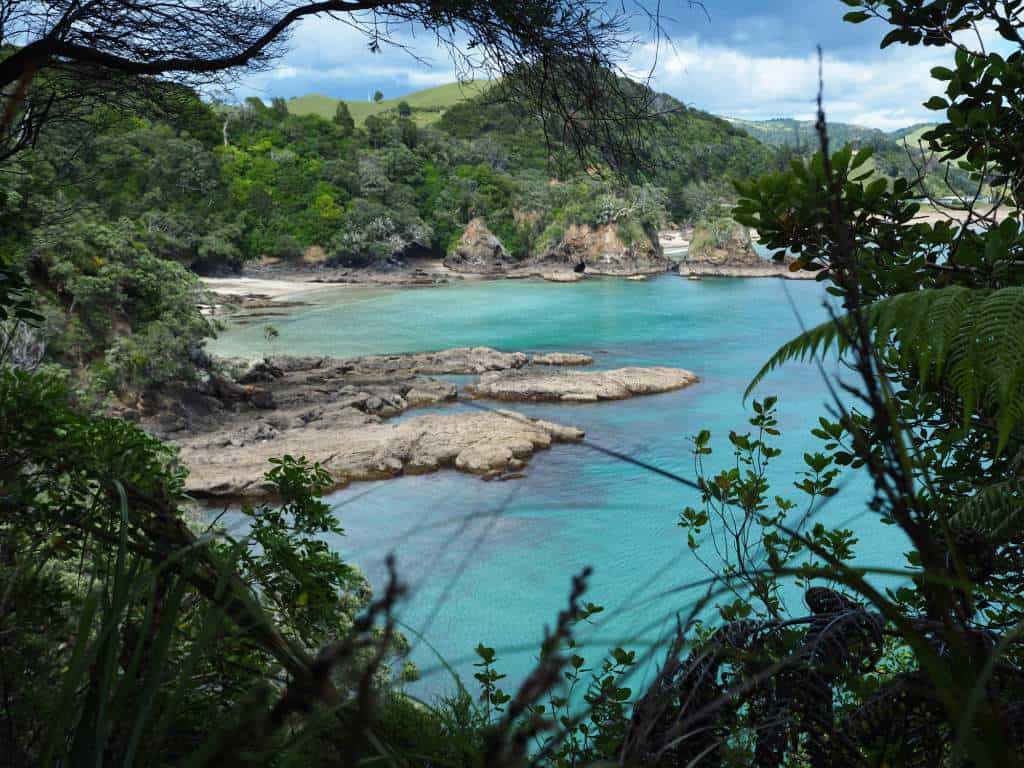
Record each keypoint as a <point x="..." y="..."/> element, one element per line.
<point x="492" y="562"/>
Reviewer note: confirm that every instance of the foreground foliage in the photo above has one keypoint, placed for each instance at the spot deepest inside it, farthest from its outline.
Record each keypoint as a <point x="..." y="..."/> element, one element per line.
<point x="132" y="634"/>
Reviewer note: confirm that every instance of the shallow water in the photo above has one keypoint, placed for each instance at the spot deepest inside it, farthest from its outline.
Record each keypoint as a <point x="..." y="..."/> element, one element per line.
<point x="492" y="562"/>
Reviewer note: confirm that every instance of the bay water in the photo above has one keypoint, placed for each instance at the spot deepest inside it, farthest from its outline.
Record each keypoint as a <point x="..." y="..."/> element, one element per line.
<point x="491" y="562"/>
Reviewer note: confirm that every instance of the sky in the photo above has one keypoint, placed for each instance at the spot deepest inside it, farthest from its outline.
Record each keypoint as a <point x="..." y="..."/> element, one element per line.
<point x="753" y="59"/>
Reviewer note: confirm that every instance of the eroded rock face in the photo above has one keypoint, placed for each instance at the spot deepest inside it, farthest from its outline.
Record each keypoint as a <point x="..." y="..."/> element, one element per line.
<point x="359" y="447"/>
<point x="580" y="386"/>
<point x="604" y="252"/>
<point x="726" y="250"/>
<point x="479" y="251"/>
<point x="723" y="243"/>
<point x="562" y="358"/>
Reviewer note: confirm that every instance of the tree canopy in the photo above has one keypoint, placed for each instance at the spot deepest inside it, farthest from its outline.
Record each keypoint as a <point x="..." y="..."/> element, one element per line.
<point x="55" y="56"/>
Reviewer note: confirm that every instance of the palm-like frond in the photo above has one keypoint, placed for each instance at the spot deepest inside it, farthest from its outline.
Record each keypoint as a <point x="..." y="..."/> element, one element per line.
<point x="997" y="510"/>
<point x="967" y="339"/>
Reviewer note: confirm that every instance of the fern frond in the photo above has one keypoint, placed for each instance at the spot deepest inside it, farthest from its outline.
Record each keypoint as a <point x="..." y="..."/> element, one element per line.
<point x="997" y="510"/>
<point x="813" y="343"/>
<point x="967" y="339"/>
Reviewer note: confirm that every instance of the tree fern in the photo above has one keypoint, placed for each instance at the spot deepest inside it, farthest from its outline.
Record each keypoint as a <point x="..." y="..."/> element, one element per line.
<point x="997" y="511"/>
<point x="967" y="339"/>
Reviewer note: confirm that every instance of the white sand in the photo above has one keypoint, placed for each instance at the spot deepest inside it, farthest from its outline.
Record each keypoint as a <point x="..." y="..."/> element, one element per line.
<point x="254" y="286"/>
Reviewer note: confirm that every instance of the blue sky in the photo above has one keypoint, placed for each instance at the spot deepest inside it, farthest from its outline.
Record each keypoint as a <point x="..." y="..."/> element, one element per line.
<point x="752" y="59"/>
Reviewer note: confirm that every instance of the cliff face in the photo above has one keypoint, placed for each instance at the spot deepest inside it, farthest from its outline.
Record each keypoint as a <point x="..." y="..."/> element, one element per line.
<point x="723" y="245"/>
<point x="724" y="249"/>
<point x="604" y="252"/>
<point x="479" y="251"/>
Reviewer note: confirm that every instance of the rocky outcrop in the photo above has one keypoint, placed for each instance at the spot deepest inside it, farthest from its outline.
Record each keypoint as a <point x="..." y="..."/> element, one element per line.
<point x="562" y="358"/>
<point x="361" y="448"/>
<point x="725" y="249"/>
<point x="333" y="411"/>
<point x="479" y="251"/>
<point x="281" y="394"/>
<point x="604" y="252"/>
<point x="579" y="386"/>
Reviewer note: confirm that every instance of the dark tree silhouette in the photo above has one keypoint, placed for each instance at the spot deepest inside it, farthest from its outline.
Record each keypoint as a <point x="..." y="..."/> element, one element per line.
<point x="58" y="55"/>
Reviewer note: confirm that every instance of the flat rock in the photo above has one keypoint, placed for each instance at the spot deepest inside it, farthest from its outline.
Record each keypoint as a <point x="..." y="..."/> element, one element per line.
<point x="459" y="360"/>
<point x="765" y="269"/>
<point x="579" y="386"/>
<point x="562" y="277"/>
<point x="362" y="448"/>
<point x="562" y="358"/>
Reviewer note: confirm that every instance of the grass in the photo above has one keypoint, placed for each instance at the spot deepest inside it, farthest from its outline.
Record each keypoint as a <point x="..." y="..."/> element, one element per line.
<point x="427" y="105"/>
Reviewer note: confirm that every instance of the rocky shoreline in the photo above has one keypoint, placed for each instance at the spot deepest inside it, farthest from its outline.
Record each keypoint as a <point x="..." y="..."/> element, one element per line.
<point x="344" y="413"/>
<point x="768" y="269"/>
<point x="263" y="289"/>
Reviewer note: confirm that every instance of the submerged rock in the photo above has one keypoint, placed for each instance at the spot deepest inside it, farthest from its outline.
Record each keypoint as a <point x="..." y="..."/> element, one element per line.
<point x="580" y="386"/>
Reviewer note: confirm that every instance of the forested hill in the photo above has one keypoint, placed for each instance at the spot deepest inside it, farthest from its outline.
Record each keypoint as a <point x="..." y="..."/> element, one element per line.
<point x="897" y="154"/>
<point x="801" y="134"/>
<point x="109" y="216"/>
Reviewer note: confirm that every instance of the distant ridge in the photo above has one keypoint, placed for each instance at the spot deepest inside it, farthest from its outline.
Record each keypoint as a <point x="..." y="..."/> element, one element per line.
<point x="427" y="105"/>
<point x="430" y="103"/>
<point x="782" y="131"/>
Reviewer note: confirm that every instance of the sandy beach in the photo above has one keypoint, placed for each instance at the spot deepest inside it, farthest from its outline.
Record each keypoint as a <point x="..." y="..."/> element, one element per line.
<point x="274" y="289"/>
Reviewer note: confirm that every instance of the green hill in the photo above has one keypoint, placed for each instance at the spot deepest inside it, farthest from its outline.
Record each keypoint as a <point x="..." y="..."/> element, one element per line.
<point x="802" y="133"/>
<point x="891" y="158"/>
<point x="427" y="105"/>
<point x="912" y="133"/>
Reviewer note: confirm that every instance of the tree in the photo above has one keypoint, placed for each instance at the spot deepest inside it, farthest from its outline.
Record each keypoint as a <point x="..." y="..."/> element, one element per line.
<point x="343" y="118"/>
<point x="378" y="97"/>
<point x="374" y="126"/>
<point x="57" y="58"/>
<point x="279" y="108"/>
<point x="404" y="110"/>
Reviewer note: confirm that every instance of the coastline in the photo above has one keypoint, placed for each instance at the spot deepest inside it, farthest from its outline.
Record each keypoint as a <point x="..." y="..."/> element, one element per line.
<point x="275" y="282"/>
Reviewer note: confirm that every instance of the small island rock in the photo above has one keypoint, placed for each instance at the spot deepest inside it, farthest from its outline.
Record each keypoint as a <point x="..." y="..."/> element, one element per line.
<point x="579" y="386"/>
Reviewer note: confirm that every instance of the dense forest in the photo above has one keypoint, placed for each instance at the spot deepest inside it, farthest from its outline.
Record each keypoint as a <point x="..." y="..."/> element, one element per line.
<point x="110" y="214"/>
<point x="133" y="633"/>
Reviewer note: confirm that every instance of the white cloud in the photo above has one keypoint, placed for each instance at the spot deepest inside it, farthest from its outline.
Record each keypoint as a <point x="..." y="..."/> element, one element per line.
<point x="334" y="57"/>
<point x="882" y="89"/>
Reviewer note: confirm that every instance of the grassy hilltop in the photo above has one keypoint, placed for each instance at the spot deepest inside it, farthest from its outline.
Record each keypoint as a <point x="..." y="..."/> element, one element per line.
<point x="427" y="105"/>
